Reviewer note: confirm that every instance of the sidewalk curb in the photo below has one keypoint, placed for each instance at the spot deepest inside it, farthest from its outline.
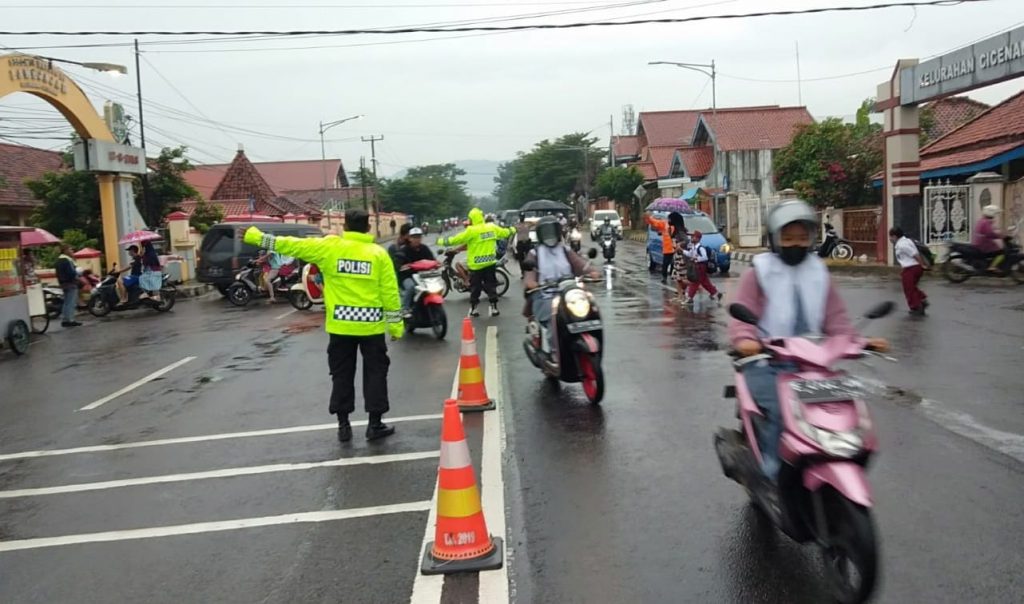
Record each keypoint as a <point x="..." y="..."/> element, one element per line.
<point x="193" y="290"/>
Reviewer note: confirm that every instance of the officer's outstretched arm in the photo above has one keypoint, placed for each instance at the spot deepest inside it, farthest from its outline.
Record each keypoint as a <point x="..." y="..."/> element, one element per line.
<point x="309" y="249"/>
<point x="456" y="240"/>
<point x="390" y="300"/>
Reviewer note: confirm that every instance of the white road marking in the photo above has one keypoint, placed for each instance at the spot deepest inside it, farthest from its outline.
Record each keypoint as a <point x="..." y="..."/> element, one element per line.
<point x="134" y="385"/>
<point x="222" y="473"/>
<point x="426" y="589"/>
<point x="203" y="438"/>
<point x="212" y="527"/>
<point x="285" y="314"/>
<point x="494" y="584"/>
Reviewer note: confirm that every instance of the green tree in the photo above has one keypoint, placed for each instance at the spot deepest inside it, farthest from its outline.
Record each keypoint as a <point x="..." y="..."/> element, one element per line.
<point x="618" y="184"/>
<point x="167" y="185"/>
<point x="70" y="200"/>
<point x="427" y="192"/>
<point x="205" y="215"/>
<point x="363" y="175"/>
<point x="830" y="163"/>
<point x="46" y="256"/>
<point x="551" y="170"/>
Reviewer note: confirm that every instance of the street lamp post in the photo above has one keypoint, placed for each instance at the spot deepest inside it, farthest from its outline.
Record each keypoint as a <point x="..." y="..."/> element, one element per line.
<point x="323" y="156"/>
<point x="699" y="68"/>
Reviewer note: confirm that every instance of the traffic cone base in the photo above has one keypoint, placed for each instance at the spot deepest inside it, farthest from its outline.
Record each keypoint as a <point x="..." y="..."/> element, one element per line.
<point x="472" y="395"/>
<point x="461" y="541"/>
<point x="436" y="566"/>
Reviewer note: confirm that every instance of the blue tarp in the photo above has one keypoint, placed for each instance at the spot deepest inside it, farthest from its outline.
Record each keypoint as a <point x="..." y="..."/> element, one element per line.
<point x="688" y="195"/>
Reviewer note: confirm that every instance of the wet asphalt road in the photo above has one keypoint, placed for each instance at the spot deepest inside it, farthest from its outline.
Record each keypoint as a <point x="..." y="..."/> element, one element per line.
<point x="619" y="503"/>
<point x="626" y="502"/>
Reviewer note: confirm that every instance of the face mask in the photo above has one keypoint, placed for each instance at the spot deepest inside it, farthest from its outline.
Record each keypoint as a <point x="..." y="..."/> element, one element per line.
<point x="793" y="255"/>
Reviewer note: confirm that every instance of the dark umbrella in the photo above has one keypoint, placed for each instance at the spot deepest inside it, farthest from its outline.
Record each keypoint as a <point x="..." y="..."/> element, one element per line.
<point x="544" y="205"/>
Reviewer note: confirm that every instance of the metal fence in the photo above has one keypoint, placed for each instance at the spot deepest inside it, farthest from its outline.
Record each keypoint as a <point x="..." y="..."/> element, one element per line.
<point x="860" y="228"/>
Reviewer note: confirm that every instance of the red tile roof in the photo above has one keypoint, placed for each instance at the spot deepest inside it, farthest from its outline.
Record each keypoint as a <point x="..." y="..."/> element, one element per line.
<point x="950" y="113"/>
<point x="626" y="146"/>
<point x="751" y="128"/>
<point x="647" y="169"/>
<point x="242" y="181"/>
<point x="18" y="164"/>
<point x="965" y="157"/>
<point x="315" y="197"/>
<point x="661" y="157"/>
<point x="667" y="128"/>
<point x="999" y="124"/>
<point x="234" y="207"/>
<point x="206" y="178"/>
<point x="697" y="161"/>
<point x="280" y="175"/>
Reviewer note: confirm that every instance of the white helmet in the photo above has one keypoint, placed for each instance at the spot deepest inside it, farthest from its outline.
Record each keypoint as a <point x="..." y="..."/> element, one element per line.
<point x="788" y="212"/>
<point x="990" y="211"/>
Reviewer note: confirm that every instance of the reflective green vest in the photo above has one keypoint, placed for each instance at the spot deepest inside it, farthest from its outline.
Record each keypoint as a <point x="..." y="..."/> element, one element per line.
<point x="360" y="286"/>
<point x="481" y="240"/>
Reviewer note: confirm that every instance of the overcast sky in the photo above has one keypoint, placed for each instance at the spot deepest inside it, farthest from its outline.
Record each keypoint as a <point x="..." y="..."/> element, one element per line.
<point x="474" y="96"/>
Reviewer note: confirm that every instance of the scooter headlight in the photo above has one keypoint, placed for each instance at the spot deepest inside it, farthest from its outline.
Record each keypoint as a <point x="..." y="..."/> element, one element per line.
<point x="577" y="303"/>
<point x="434" y="285"/>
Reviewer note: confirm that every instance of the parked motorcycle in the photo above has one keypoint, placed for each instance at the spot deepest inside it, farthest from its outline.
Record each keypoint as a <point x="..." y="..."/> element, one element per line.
<point x="246" y="285"/>
<point x="575" y="239"/>
<point x="827" y="438"/>
<point x="104" y="298"/>
<point x="428" y="303"/>
<point x="53" y="295"/>
<point x="579" y="342"/>
<point x="834" y="246"/>
<point x="454" y="281"/>
<point x="965" y="261"/>
<point x="309" y="290"/>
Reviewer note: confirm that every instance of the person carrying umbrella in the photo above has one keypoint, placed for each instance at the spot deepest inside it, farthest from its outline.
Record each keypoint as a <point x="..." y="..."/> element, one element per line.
<point x="667" y="228"/>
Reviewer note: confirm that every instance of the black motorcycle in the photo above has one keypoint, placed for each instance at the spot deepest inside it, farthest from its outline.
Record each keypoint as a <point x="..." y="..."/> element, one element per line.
<point x="104" y="298"/>
<point x="834" y="246"/>
<point x="965" y="261"/>
<point x="579" y="342"/>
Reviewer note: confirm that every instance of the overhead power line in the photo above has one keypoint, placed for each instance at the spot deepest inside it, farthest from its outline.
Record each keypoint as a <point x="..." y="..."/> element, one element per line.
<point x="525" y="27"/>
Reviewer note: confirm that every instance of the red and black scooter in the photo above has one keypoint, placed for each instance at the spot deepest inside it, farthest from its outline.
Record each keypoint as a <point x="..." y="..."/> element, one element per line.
<point x="428" y="302"/>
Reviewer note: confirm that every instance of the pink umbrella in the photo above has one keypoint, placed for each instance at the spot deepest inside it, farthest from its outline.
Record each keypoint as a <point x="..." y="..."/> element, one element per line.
<point x="139" y="237"/>
<point x="37" y="237"/>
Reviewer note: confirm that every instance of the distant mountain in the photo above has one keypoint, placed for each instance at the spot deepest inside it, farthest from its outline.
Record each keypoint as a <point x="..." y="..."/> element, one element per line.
<point x="479" y="177"/>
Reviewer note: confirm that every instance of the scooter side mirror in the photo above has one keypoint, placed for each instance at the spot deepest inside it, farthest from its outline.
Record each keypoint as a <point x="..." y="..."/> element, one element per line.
<point x="592" y="253"/>
<point x="881" y="310"/>
<point x="742" y="314"/>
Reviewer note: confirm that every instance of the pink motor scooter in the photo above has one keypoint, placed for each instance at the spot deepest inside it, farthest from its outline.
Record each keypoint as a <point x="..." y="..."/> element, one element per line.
<point x="827" y="438"/>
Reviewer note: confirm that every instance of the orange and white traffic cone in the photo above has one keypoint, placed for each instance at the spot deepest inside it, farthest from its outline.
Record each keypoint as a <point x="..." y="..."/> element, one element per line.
<point x="472" y="392"/>
<point x="461" y="541"/>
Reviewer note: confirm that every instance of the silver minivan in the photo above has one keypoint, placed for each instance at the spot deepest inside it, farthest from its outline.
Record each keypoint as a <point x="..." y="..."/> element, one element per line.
<point x="598" y="219"/>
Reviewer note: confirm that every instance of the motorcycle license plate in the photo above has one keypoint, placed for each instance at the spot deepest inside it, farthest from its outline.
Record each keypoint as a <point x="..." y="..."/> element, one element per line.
<point x="824" y="391"/>
<point x="583" y="326"/>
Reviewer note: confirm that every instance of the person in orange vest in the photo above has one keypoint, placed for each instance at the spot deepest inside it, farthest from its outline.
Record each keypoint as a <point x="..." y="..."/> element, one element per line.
<point x="667" y="228"/>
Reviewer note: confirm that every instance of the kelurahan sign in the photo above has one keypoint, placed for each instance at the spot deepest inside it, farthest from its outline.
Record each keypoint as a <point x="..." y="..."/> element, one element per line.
<point x="993" y="60"/>
<point x="102" y="156"/>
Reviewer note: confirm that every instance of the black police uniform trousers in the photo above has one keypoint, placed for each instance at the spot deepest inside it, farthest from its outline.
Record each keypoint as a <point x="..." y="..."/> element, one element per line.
<point x="485" y="279"/>
<point x="341" y="358"/>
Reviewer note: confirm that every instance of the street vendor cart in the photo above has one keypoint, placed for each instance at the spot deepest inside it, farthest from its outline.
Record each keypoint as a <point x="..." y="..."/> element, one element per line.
<point x="14" y="308"/>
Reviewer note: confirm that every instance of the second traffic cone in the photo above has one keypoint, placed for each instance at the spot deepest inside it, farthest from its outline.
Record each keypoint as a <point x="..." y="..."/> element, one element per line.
<point x="472" y="392"/>
<point x="461" y="541"/>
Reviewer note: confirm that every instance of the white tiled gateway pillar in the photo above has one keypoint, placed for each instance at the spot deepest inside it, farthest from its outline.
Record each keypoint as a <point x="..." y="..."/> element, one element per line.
<point x="901" y="194"/>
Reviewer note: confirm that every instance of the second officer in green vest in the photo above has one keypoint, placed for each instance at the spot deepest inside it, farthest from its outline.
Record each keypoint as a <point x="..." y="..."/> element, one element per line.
<point x="481" y="241"/>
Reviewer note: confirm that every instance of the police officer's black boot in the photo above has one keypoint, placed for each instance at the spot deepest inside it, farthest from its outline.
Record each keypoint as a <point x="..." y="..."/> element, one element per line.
<point x="494" y="309"/>
<point x="344" y="429"/>
<point x="377" y="428"/>
<point x="473" y="312"/>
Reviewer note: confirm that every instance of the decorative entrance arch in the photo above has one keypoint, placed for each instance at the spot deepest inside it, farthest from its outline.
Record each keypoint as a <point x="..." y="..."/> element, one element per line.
<point x="990" y="61"/>
<point x="41" y="78"/>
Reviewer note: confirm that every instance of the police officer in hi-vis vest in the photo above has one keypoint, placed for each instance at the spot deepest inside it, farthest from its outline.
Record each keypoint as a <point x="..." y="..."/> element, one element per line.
<point x="481" y="241"/>
<point x="361" y="300"/>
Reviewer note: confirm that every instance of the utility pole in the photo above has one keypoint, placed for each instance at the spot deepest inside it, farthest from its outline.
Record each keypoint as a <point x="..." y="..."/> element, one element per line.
<point x="362" y="178"/>
<point x="152" y="220"/>
<point x="611" y="141"/>
<point x="373" y="159"/>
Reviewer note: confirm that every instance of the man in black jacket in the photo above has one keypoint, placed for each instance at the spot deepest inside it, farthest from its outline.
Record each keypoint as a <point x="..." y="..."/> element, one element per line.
<point x="412" y="251"/>
<point x="67" y="277"/>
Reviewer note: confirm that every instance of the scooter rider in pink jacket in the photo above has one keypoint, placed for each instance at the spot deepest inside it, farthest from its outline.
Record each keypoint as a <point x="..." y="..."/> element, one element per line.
<point x="793" y="294"/>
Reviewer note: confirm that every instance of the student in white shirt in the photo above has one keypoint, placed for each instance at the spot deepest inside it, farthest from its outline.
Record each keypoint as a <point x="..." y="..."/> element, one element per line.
<point x="913" y="267"/>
